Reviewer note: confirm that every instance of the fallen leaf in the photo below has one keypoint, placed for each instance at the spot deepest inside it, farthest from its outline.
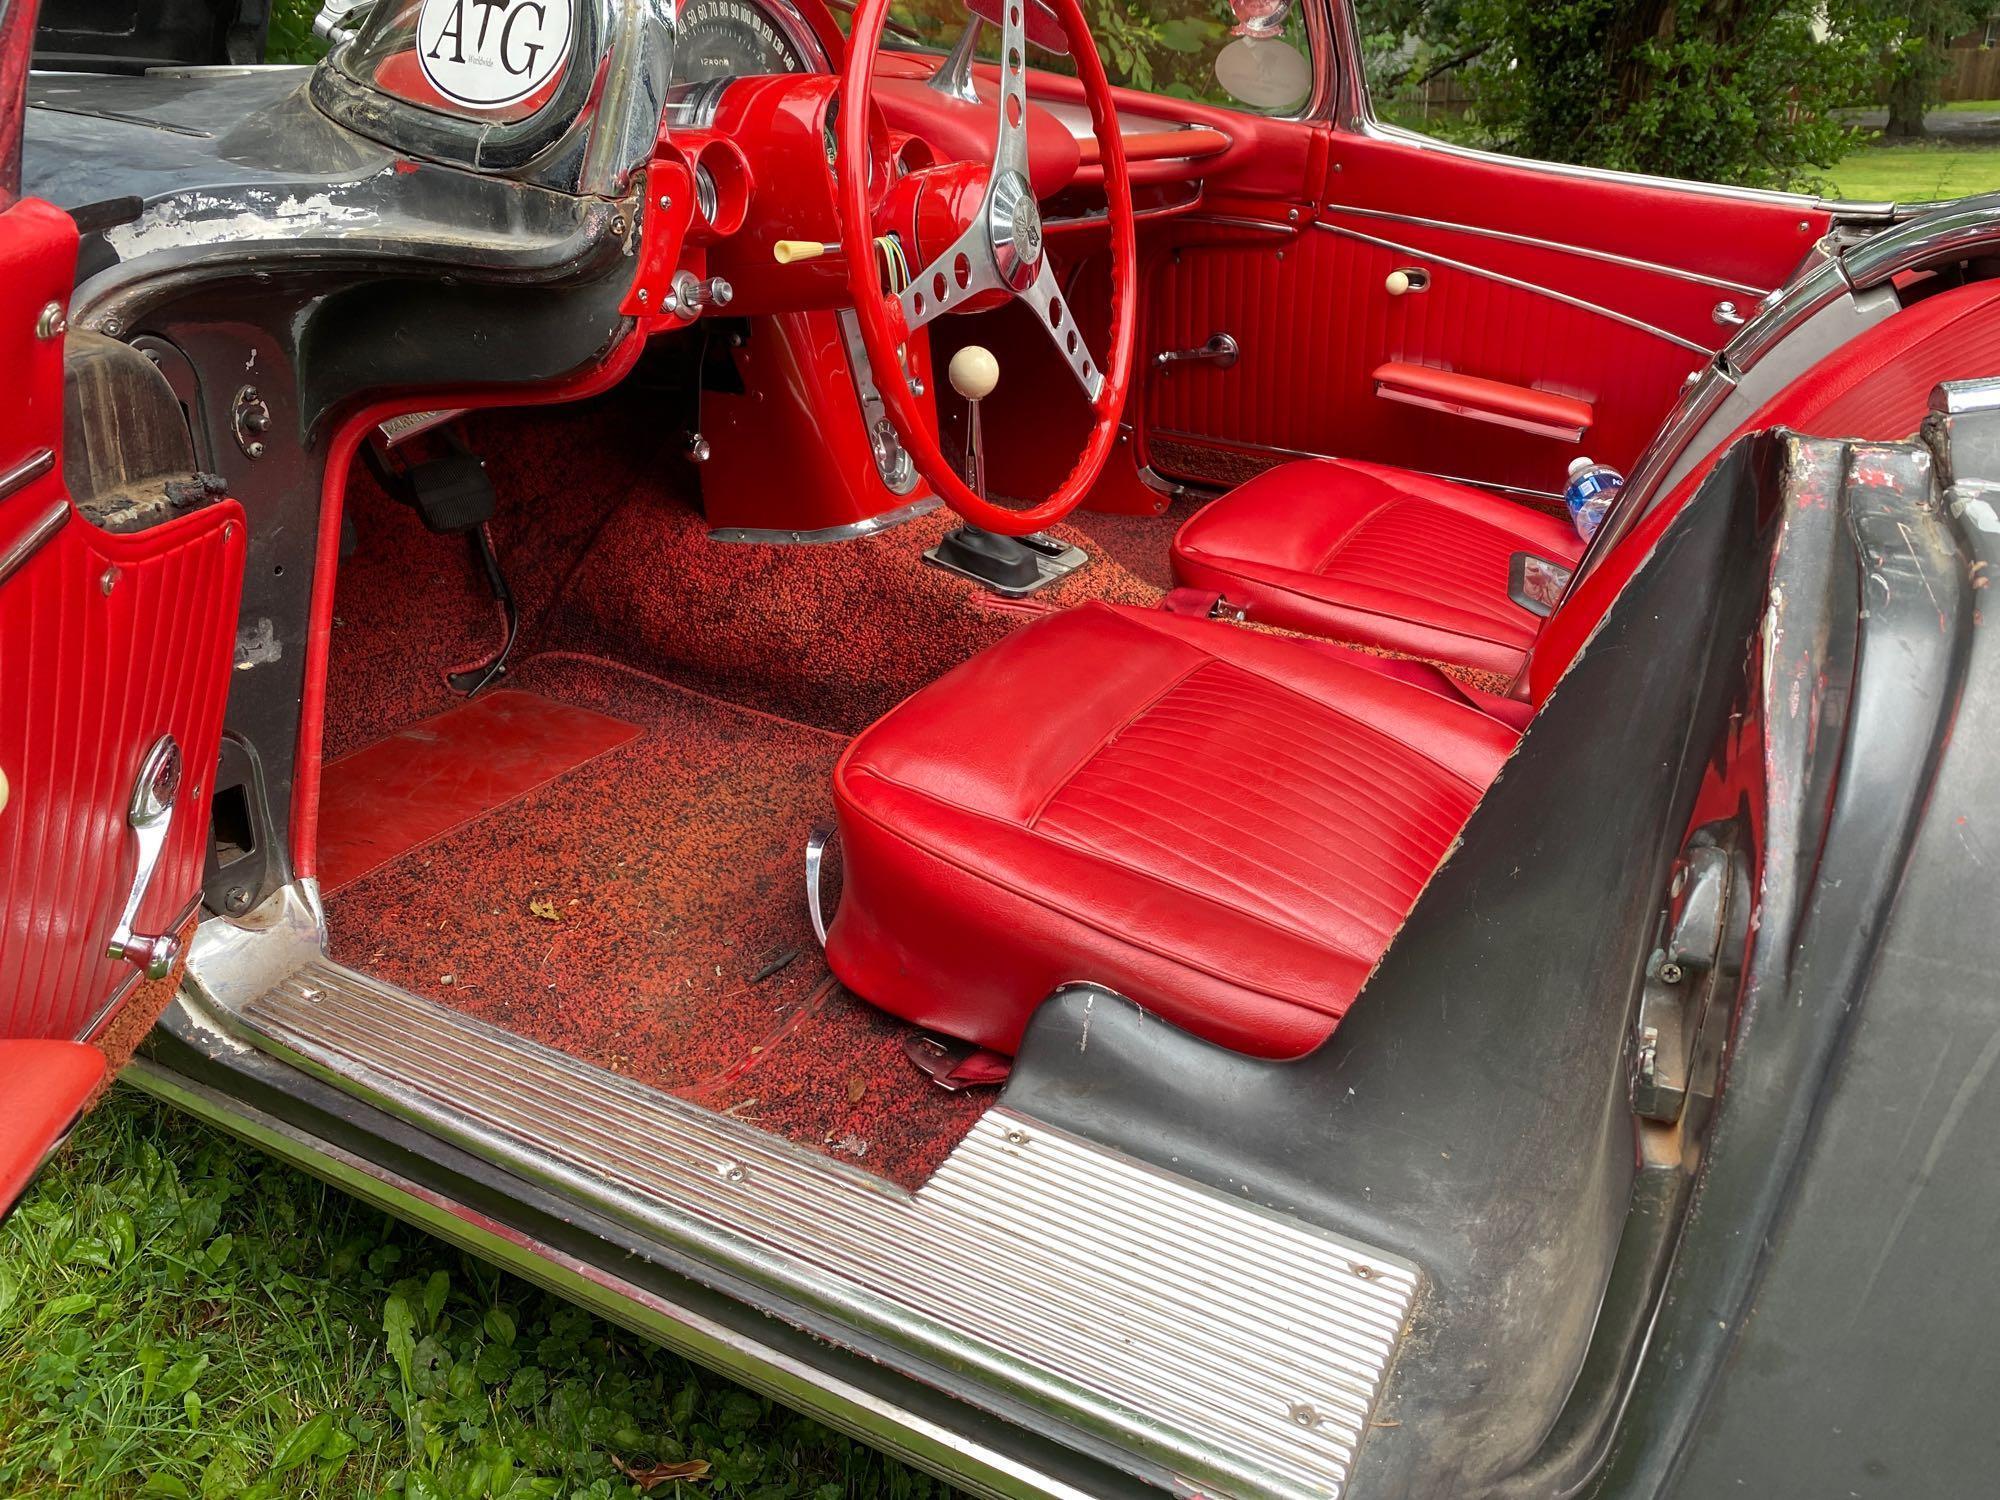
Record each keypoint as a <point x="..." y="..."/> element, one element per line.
<point x="650" y="1475"/>
<point x="545" y="908"/>
<point x="857" y="1089"/>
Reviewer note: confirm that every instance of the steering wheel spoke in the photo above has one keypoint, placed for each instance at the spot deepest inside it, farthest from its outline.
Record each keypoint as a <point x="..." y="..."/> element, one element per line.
<point x="957" y="276"/>
<point x="1059" y="323"/>
<point x="1010" y="151"/>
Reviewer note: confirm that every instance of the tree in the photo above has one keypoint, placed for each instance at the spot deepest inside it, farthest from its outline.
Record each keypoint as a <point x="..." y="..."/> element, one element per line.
<point x="1915" y="57"/>
<point x="1734" y="91"/>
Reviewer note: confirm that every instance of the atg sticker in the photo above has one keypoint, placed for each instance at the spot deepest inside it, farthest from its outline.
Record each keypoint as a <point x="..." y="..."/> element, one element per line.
<point x="486" y="54"/>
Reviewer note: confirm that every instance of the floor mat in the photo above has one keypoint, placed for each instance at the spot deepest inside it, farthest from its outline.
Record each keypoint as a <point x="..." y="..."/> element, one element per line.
<point x="645" y="912"/>
<point x="412" y="786"/>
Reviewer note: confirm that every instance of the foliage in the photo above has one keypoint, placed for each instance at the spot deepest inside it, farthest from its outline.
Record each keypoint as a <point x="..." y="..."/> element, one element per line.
<point x="180" y="1317"/>
<point x="1735" y="91"/>
<point x="291" y="38"/>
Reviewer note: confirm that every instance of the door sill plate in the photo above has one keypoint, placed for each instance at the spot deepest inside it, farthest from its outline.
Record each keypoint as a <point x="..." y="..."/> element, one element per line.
<point x="1230" y="1348"/>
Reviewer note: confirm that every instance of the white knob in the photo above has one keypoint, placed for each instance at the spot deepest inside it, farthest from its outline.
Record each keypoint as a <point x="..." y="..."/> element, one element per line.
<point x="974" y="372"/>
<point x="1397" y="283"/>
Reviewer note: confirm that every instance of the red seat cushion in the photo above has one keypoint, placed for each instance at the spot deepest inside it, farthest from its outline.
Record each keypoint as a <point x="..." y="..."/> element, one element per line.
<point x="1225" y="826"/>
<point x="1382" y="556"/>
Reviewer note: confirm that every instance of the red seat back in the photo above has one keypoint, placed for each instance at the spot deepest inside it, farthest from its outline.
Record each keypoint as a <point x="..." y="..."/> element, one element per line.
<point x="1876" y="386"/>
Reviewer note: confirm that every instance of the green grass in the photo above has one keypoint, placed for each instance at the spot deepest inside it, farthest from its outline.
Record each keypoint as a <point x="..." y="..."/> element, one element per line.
<point x="1916" y="174"/>
<point x="180" y="1316"/>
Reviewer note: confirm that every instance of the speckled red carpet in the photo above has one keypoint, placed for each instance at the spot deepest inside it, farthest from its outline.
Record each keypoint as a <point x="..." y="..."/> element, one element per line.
<point x="645" y="910"/>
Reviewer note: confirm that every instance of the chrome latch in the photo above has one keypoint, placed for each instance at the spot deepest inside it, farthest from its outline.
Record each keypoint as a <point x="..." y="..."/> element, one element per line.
<point x="1690" y="980"/>
<point x="1729" y="315"/>
<point x="1221" y="350"/>
<point x="151" y="814"/>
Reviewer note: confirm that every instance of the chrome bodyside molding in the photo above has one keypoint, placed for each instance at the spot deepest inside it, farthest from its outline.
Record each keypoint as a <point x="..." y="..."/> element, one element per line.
<point x="1534" y="242"/>
<point x="31" y="541"/>
<point x="1144" y="1314"/>
<point x="774" y="537"/>
<point x="1518" y="284"/>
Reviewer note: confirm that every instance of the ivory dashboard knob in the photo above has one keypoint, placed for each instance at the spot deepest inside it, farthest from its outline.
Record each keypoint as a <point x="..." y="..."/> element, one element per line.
<point x="974" y="372"/>
<point x="1397" y="283"/>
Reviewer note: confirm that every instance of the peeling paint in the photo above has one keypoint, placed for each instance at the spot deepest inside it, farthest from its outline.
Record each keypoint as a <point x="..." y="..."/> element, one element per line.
<point x="199" y="218"/>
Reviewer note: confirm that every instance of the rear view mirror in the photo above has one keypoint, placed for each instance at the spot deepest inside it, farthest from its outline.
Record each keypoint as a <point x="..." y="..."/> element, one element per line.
<point x="1044" y="30"/>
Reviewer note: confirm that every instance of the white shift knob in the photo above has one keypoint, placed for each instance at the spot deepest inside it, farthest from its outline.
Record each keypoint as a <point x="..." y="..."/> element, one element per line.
<point x="974" y="372"/>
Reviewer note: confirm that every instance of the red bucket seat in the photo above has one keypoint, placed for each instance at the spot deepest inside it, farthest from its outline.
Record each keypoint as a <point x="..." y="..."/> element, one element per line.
<point x="1390" y="558"/>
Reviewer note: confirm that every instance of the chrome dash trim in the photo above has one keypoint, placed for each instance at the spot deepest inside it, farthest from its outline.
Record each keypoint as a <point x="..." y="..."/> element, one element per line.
<point x="1608" y="257"/>
<point x="1150" y="1318"/>
<point x="33" y="467"/>
<point x="1518" y="284"/>
<point x="31" y="541"/>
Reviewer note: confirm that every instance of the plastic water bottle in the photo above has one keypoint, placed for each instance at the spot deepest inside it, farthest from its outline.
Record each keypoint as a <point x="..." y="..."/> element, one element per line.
<point x="1592" y="488"/>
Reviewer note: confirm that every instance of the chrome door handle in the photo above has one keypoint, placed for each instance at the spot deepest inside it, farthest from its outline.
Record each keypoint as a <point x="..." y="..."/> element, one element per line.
<point x="1221" y="351"/>
<point x="151" y="814"/>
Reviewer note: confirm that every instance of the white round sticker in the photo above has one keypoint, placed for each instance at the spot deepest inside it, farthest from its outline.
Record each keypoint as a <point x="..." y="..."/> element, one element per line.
<point x="486" y="54"/>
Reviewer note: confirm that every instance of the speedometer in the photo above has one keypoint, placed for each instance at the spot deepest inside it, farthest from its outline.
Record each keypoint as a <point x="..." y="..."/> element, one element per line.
<point x="731" y="39"/>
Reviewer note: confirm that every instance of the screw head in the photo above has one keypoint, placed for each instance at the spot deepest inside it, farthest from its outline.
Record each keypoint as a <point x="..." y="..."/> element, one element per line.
<point x="51" y="322"/>
<point x="108" y="580"/>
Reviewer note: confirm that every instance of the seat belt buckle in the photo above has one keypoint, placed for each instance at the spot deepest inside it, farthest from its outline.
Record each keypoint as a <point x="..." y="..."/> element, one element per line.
<point x="954" y="1065"/>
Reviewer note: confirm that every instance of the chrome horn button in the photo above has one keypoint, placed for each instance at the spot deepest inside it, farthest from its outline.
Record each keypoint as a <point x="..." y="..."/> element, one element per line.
<point x="1014" y="229"/>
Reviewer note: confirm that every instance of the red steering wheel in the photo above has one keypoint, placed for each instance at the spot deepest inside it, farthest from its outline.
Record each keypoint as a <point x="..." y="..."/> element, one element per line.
<point x="1003" y="250"/>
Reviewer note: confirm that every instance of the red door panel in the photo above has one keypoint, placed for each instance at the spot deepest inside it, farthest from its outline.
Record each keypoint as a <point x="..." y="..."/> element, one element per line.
<point x="1603" y="289"/>
<point x="1313" y="326"/>
<point x="111" y="641"/>
<point x="107" y="643"/>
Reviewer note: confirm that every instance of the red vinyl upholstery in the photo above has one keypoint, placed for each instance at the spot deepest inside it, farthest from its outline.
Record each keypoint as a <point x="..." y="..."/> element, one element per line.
<point x="1225" y="826"/>
<point x="1386" y="557"/>
<point x="1383" y="556"/>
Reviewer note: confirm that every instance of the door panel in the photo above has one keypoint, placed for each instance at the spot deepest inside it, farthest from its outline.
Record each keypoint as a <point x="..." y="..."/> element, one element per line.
<point x="1313" y="322"/>
<point x="1601" y="288"/>
<point x="108" y="643"/>
<point x="111" y="641"/>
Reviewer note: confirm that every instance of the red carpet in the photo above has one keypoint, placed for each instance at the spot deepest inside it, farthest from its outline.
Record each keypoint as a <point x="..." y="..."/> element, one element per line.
<point x="641" y="905"/>
<point x="646" y="912"/>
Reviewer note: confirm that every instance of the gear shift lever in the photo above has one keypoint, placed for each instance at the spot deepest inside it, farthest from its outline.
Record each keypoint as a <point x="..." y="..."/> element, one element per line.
<point x="1003" y="563"/>
<point x="973" y="373"/>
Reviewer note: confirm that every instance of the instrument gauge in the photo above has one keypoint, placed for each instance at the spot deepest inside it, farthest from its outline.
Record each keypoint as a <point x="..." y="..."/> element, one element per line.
<point x="733" y="39"/>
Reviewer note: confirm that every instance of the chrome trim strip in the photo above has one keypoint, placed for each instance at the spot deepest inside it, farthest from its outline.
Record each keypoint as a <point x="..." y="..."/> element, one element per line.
<point x="1958" y="398"/>
<point x="34" y="466"/>
<point x="1519" y="285"/>
<point x="1608" y="257"/>
<point x="1184" y="1329"/>
<point x="847" y="533"/>
<point x="31" y="541"/>
<point x="948" y="1453"/>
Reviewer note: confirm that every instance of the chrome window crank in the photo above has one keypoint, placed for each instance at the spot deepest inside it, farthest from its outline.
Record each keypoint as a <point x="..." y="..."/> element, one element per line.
<point x="1221" y="351"/>
<point x="151" y="814"/>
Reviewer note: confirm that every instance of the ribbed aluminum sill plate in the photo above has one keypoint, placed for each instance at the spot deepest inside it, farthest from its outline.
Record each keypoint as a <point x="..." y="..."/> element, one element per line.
<point x="1233" y="1348"/>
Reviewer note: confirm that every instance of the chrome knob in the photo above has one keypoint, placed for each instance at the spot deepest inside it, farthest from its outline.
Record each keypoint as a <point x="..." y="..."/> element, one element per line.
<point x="691" y="296"/>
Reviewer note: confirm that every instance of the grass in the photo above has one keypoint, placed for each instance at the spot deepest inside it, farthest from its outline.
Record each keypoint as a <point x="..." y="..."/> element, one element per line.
<point x="181" y="1317"/>
<point x="1915" y="173"/>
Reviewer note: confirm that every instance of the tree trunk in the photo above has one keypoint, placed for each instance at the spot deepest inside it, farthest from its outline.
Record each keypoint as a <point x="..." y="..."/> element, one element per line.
<point x="1909" y="97"/>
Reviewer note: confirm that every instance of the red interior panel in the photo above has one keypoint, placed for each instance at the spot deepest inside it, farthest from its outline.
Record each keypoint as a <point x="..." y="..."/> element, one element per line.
<point x="112" y="641"/>
<point x="403" y="791"/>
<point x="43" y="1087"/>
<point x="1313" y="318"/>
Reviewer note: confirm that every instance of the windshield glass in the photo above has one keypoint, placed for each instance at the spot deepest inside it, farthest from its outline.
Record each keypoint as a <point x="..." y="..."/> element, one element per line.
<point x="1172" y="47"/>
